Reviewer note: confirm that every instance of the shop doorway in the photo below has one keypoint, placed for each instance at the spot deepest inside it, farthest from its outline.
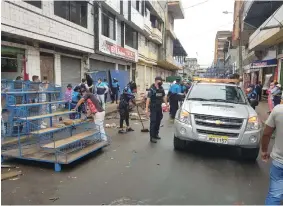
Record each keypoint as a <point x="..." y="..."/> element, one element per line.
<point x="47" y="67"/>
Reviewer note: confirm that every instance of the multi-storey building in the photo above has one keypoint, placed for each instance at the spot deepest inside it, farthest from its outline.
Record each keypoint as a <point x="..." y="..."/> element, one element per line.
<point x="259" y="23"/>
<point x="220" y="40"/>
<point x="46" y="38"/>
<point x="191" y="66"/>
<point x="62" y="40"/>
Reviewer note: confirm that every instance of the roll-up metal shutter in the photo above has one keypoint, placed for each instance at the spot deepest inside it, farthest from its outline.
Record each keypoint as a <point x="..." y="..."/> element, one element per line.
<point x="96" y="65"/>
<point x="70" y="71"/>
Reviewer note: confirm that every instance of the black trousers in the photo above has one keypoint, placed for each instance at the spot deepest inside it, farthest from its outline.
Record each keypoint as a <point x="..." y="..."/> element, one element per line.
<point x="174" y="106"/>
<point x="156" y="116"/>
<point x="114" y="95"/>
<point x="124" y="115"/>
<point x="105" y="97"/>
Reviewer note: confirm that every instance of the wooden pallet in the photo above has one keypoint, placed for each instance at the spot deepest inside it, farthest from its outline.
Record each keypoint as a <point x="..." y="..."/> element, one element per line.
<point x="64" y="142"/>
<point x="46" y="115"/>
<point x="12" y="140"/>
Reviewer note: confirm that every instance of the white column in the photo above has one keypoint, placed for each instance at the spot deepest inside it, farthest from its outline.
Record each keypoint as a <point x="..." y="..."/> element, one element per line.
<point x="33" y="62"/>
<point x="57" y="69"/>
<point x="116" y="67"/>
<point x="85" y="67"/>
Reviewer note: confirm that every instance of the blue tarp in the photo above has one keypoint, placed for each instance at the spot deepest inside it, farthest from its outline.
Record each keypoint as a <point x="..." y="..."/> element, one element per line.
<point x="122" y="76"/>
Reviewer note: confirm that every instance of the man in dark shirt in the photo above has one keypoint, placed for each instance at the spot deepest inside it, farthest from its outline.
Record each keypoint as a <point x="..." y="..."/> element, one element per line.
<point x="258" y="89"/>
<point x="155" y="98"/>
<point x="98" y="116"/>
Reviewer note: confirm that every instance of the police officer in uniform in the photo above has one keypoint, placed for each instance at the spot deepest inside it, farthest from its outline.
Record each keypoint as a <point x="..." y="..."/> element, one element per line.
<point x="155" y="98"/>
<point x="174" y="90"/>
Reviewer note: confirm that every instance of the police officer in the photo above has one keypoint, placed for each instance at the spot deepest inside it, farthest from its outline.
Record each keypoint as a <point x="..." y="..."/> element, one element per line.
<point x="174" y="90"/>
<point x="155" y="98"/>
<point x="115" y="88"/>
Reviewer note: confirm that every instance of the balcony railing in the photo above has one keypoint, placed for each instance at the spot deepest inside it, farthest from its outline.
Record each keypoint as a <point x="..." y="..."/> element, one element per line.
<point x="156" y="35"/>
<point x="147" y="26"/>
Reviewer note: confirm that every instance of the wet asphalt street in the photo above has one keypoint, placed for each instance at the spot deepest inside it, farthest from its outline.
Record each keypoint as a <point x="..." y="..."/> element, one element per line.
<point x="134" y="171"/>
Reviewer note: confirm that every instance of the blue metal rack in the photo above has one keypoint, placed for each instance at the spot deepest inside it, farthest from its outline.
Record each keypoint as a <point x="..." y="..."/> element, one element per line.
<point x="59" y="141"/>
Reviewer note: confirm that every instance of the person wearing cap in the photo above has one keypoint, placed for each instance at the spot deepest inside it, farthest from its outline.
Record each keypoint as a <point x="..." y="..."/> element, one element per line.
<point x="277" y="92"/>
<point x="99" y="113"/>
<point x="115" y="88"/>
<point x="155" y="98"/>
<point x="174" y="90"/>
<point x="124" y="108"/>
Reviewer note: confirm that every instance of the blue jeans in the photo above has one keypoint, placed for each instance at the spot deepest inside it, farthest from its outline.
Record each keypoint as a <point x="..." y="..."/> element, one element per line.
<point x="275" y="192"/>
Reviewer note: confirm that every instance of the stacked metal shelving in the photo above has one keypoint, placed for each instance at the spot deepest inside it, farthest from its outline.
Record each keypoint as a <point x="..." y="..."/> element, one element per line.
<point x="36" y="126"/>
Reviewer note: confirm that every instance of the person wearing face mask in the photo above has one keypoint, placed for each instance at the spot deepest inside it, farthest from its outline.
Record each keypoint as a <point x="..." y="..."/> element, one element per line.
<point x="155" y="98"/>
<point x="101" y="89"/>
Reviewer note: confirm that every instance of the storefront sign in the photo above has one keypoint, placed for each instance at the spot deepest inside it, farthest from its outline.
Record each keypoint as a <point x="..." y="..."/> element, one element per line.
<point x="264" y="63"/>
<point x="115" y="50"/>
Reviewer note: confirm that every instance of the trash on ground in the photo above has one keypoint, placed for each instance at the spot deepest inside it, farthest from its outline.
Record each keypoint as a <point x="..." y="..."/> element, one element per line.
<point x="113" y="125"/>
<point x="54" y="198"/>
<point x="9" y="175"/>
<point x="14" y="178"/>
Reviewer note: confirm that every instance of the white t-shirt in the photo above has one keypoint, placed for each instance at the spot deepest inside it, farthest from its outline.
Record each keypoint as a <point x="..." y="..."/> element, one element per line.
<point x="275" y="120"/>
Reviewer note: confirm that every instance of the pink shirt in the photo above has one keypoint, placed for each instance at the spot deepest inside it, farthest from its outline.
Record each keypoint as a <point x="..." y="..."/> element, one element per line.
<point x="68" y="95"/>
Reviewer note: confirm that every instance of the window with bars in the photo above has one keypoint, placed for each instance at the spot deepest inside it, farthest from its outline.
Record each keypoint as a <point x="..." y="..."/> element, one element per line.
<point x="108" y="25"/>
<point x="74" y="11"/>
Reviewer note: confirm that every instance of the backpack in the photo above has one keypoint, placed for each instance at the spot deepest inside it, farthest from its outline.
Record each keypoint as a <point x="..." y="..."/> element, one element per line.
<point x="91" y="106"/>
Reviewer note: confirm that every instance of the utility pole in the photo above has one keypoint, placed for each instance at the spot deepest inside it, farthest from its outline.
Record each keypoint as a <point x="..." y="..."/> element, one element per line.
<point x="240" y="43"/>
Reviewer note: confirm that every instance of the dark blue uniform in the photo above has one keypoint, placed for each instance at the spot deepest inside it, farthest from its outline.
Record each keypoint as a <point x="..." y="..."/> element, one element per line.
<point x="115" y="88"/>
<point x="156" y="115"/>
<point x="174" y="90"/>
<point x="124" y="106"/>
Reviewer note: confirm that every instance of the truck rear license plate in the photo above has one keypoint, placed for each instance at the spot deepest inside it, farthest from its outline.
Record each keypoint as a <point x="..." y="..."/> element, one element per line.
<point x="217" y="139"/>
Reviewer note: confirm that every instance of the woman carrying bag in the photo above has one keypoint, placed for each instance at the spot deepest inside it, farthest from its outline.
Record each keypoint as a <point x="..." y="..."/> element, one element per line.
<point x="96" y="110"/>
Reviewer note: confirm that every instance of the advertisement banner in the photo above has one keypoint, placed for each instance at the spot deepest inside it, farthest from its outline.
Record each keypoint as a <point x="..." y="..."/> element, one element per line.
<point x="117" y="51"/>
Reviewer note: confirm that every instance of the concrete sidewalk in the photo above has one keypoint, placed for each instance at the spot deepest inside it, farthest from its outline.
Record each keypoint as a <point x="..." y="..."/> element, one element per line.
<point x="262" y="110"/>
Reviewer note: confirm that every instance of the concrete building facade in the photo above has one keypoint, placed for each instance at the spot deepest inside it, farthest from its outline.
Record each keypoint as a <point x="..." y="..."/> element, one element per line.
<point x="62" y="40"/>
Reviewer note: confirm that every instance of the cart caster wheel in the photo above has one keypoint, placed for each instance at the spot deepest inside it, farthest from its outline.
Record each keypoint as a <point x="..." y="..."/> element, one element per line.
<point x="57" y="167"/>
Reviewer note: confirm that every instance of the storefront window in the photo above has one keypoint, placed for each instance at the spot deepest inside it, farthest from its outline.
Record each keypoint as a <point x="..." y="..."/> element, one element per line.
<point x="280" y="48"/>
<point x="12" y="60"/>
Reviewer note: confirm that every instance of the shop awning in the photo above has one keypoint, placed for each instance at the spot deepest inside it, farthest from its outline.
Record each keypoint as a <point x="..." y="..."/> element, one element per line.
<point x="264" y="63"/>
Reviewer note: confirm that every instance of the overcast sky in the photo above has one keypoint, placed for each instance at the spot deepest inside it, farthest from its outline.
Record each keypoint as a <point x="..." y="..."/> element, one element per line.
<point x="197" y="31"/>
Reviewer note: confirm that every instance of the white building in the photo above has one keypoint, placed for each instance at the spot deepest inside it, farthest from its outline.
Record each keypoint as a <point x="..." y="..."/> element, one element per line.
<point x="61" y="40"/>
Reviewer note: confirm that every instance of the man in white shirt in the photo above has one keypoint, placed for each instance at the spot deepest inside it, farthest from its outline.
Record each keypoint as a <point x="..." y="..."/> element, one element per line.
<point x="274" y="124"/>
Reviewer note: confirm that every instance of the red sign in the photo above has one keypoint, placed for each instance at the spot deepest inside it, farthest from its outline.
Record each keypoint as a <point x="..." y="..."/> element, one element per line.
<point x="118" y="51"/>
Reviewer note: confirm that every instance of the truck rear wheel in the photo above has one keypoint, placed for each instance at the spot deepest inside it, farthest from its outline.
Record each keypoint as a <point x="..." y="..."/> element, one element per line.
<point x="179" y="144"/>
<point x="249" y="154"/>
